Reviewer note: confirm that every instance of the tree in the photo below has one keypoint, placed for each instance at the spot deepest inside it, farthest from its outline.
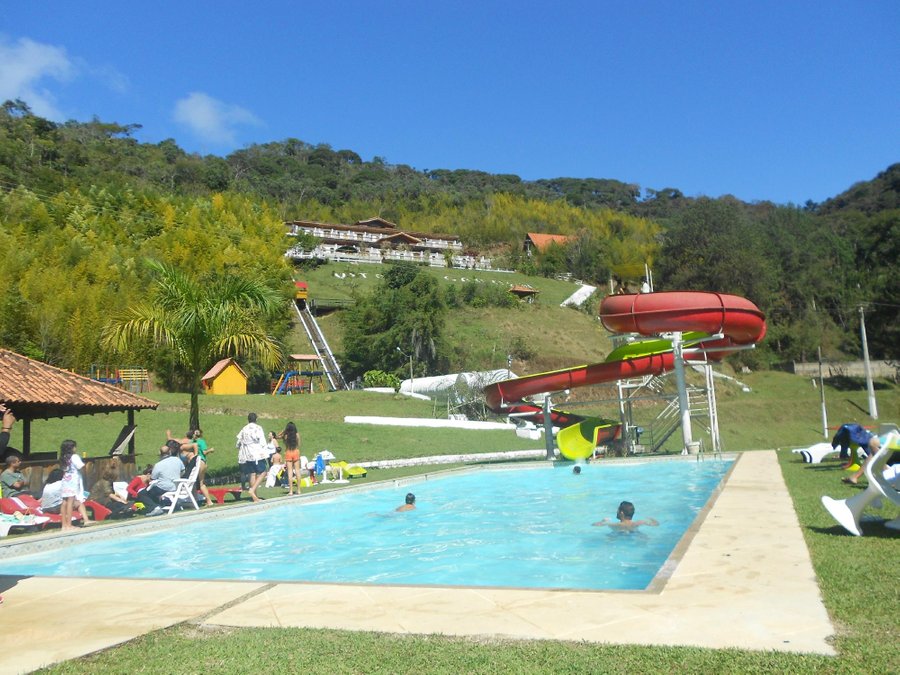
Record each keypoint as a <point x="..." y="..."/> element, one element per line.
<point x="200" y="321"/>
<point x="406" y="310"/>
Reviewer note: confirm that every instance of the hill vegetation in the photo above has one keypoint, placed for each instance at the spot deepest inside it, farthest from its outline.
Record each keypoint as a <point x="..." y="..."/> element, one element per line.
<point x="84" y="204"/>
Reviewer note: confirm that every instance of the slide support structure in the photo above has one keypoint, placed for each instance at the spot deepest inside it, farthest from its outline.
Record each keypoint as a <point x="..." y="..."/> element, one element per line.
<point x="548" y="429"/>
<point x="684" y="406"/>
<point x="713" y="410"/>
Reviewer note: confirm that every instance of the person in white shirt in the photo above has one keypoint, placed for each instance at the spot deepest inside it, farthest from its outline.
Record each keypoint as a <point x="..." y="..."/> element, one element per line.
<point x="253" y="451"/>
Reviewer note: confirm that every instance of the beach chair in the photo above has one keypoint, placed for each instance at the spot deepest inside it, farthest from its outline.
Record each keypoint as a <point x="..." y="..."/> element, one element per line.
<point x="814" y="454"/>
<point x="848" y="512"/>
<point x="99" y="511"/>
<point x="29" y="505"/>
<point x="184" y="489"/>
<point x="9" y="521"/>
<point x="218" y="493"/>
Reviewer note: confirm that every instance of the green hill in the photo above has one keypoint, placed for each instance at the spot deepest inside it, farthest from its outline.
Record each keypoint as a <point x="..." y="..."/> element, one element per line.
<point x="539" y="335"/>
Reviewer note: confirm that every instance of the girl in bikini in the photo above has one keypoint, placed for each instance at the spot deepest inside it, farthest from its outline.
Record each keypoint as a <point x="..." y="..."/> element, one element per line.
<point x="291" y="438"/>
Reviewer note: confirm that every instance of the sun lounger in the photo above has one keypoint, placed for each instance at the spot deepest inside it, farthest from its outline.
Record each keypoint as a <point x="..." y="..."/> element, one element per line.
<point x="99" y="511"/>
<point x="814" y="454"/>
<point x="27" y="504"/>
<point x="218" y="493"/>
<point x="848" y="512"/>
<point x="9" y="521"/>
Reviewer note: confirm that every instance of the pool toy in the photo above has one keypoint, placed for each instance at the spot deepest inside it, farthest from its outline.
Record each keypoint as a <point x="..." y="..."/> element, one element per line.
<point x="714" y="324"/>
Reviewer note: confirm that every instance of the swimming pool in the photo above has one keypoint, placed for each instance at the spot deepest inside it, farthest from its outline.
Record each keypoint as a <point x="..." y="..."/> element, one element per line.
<point x="516" y="527"/>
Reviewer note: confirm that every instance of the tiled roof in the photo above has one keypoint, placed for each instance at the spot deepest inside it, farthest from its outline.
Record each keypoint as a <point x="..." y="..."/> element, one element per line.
<point x="542" y="241"/>
<point x="523" y="290"/>
<point x="35" y="390"/>
<point x="401" y="236"/>
<point x="220" y="366"/>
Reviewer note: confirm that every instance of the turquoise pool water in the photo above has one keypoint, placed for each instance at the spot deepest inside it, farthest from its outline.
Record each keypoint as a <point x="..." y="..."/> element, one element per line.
<point x="527" y="528"/>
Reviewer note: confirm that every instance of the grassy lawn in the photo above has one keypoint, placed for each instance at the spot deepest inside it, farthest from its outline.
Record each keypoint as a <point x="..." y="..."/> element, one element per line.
<point x="340" y="281"/>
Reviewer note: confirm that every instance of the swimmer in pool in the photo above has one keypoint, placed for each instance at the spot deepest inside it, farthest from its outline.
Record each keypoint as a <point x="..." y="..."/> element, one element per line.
<point x="576" y="469"/>
<point x="410" y="503"/>
<point x="625" y="515"/>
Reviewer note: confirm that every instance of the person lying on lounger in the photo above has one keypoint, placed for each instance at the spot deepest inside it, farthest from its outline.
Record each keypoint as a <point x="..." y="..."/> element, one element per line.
<point x="625" y="514"/>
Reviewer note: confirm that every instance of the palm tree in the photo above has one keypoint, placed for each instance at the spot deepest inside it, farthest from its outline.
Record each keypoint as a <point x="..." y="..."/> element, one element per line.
<point x="201" y="322"/>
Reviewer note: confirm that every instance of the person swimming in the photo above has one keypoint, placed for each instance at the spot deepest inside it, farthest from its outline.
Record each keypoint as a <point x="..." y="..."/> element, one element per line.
<point x="410" y="503"/>
<point x="625" y="515"/>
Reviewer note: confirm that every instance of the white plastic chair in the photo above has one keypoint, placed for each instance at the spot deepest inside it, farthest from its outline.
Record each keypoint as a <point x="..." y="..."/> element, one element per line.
<point x="184" y="489"/>
<point x="847" y="512"/>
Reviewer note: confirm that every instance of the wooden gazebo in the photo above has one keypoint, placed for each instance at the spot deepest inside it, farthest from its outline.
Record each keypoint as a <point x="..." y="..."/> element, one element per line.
<point x="36" y="391"/>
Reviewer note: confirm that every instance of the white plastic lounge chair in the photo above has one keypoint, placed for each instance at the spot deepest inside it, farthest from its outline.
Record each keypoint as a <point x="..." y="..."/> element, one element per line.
<point x="184" y="489"/>
<point x="847" y="512"/>
<point x="814" y="454"/>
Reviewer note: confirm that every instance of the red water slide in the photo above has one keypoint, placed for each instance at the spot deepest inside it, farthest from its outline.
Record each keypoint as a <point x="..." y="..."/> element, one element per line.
<point x="737" y="320"/>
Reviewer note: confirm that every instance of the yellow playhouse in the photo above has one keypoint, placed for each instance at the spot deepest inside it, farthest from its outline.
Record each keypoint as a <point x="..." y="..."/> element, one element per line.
<point x="226" y="377"/>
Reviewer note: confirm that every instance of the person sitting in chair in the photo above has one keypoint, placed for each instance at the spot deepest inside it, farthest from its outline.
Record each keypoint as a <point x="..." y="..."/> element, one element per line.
<point x="165" y="472"/>
<point x="13" y="480"/>
<point x="102" y="492"/>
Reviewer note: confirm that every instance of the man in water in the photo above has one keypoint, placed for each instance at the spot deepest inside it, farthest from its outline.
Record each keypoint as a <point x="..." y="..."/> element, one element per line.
<point x="576" y="469"/>
<point x="625" y="515"/>
<point x="409" y="505"/>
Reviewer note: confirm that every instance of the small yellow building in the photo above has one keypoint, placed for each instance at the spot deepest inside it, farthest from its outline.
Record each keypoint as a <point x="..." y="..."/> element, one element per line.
<point x="226" y="377"/>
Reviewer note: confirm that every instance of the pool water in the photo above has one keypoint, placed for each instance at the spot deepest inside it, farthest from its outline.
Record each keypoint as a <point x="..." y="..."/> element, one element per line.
<point x="517" y="527"/>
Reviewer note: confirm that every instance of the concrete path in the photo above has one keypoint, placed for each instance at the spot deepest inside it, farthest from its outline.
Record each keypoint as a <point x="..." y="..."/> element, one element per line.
<point x="744" y="580"/>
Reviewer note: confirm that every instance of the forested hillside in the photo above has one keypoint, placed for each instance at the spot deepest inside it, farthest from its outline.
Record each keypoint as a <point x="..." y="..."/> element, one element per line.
<point x="83" y="204"/>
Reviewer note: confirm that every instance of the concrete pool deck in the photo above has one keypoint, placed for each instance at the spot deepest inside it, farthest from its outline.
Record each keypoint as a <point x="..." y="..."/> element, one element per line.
<point x="744" y="581"/>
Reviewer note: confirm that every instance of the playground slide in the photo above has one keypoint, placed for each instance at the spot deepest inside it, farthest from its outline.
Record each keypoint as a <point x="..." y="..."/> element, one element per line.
<point x="729" y="320"/>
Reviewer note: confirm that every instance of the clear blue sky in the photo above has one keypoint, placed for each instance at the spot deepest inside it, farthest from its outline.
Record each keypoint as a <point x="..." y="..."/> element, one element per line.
<point x="778" y="100"/>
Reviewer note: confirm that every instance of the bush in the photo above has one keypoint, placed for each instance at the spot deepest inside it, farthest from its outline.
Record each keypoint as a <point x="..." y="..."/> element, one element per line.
<point x="379" y="378"/>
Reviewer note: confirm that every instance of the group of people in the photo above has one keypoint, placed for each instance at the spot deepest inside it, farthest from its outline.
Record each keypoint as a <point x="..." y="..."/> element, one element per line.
<point x="260" y="457"/>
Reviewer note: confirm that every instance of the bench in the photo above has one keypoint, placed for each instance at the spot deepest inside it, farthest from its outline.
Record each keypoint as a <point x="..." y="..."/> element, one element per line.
<point x="219" y="493"/>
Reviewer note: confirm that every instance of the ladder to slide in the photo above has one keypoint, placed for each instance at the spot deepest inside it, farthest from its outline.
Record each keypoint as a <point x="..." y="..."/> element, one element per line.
<point x="323" y="351"/>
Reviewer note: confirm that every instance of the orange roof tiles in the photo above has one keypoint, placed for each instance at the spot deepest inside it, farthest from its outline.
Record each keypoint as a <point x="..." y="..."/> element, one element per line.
<point x="36" y="390"/>
<point x="220" y="366"/>
<point x="542" y="241"/>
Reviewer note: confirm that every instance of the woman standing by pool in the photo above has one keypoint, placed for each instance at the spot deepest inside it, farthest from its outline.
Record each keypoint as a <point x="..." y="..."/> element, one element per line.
<point x="71" y="489"/>
<point x="291" y="438"/>
<point x="200" y="447"/>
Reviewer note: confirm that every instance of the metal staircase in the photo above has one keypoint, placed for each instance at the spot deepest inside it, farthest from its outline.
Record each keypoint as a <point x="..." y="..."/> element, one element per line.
<point x="669" y="420"/>
<point x="317" y="339"/>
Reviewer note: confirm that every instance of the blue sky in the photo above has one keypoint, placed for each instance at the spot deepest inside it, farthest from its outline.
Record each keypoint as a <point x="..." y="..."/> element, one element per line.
<point x="786" y="101"/>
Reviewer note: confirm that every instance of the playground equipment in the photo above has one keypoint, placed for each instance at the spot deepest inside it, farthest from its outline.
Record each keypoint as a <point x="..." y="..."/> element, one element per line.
<point x="688" y="327"/>
<point x="303" y="376"/>
<point x="135" y="380"/>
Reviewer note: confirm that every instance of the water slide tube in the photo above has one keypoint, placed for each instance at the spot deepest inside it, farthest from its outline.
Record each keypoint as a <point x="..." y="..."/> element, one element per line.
<point x="729" y="321"/>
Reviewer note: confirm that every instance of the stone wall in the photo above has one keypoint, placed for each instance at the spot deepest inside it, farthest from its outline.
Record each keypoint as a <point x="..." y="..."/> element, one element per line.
<point x="889" y="369"/>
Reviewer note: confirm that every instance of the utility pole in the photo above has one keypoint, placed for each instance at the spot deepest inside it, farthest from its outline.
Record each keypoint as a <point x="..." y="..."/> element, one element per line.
<point x="684" y="405"/>
<point x="822" y="397"/>
<point x="412" y="380"/>
<point x="548" y="428"/>
<point x="873" y="406"/>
